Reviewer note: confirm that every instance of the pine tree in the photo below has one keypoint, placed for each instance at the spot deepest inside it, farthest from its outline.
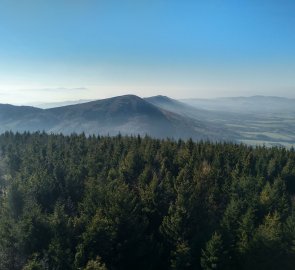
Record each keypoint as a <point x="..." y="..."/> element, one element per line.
<point x="214" y="255"/>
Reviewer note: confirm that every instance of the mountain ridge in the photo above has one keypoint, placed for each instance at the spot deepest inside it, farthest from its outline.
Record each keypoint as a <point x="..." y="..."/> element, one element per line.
<point x="266" y="120"/>
<point x="126" y="114"/>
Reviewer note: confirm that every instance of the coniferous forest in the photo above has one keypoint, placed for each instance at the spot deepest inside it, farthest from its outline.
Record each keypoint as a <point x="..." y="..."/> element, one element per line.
<point x="77" y="202"/>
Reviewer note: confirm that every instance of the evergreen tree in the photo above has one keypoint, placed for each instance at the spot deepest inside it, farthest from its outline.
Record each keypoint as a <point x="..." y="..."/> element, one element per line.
<point x="214" y="255"/>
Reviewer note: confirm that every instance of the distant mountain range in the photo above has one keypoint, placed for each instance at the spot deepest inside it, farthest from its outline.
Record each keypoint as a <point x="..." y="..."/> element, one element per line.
<point x="128" y="115"/>
<point x="253" y="104"/>
<point x="253" y="120"/>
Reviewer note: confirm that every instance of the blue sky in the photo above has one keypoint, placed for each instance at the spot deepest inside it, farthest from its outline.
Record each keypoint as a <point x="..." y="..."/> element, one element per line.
<point x="84" y="49"/>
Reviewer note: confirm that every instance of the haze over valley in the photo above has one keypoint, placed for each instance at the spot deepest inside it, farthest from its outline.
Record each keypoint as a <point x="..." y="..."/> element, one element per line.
<point x="257" y="120"/>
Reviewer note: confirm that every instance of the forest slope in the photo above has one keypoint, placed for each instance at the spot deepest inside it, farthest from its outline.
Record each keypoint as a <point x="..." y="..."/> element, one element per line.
<point x="73" y="202"/>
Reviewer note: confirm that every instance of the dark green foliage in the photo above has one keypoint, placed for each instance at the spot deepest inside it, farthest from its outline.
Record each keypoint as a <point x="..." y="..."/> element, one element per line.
<point x="214" y="256"/>
<point x="77" y="202"/>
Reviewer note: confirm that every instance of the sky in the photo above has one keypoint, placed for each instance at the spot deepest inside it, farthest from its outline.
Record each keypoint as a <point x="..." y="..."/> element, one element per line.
<point x="60" y="50"/>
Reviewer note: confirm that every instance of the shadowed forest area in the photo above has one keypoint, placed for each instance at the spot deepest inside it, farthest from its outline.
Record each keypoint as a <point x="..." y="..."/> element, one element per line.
<point x="78" y="202"/>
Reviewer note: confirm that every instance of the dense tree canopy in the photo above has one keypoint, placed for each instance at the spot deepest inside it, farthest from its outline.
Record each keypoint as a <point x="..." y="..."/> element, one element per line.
<point x="77" y="202"/>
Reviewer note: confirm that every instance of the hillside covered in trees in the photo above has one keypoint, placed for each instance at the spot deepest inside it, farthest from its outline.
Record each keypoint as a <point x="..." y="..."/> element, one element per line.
<point x="77" y="202"/>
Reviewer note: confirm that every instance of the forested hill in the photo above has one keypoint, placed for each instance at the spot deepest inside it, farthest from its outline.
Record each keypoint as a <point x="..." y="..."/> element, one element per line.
<point x="76" y="202"/>
<point x="127" y="115"/>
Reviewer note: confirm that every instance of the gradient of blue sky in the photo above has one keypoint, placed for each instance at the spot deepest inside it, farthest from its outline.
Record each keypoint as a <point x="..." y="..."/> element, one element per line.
<point x="79" y="49"/>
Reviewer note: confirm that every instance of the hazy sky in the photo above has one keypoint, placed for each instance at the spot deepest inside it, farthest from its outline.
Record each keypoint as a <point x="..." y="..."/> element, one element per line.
<point x="53" y="50"/>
